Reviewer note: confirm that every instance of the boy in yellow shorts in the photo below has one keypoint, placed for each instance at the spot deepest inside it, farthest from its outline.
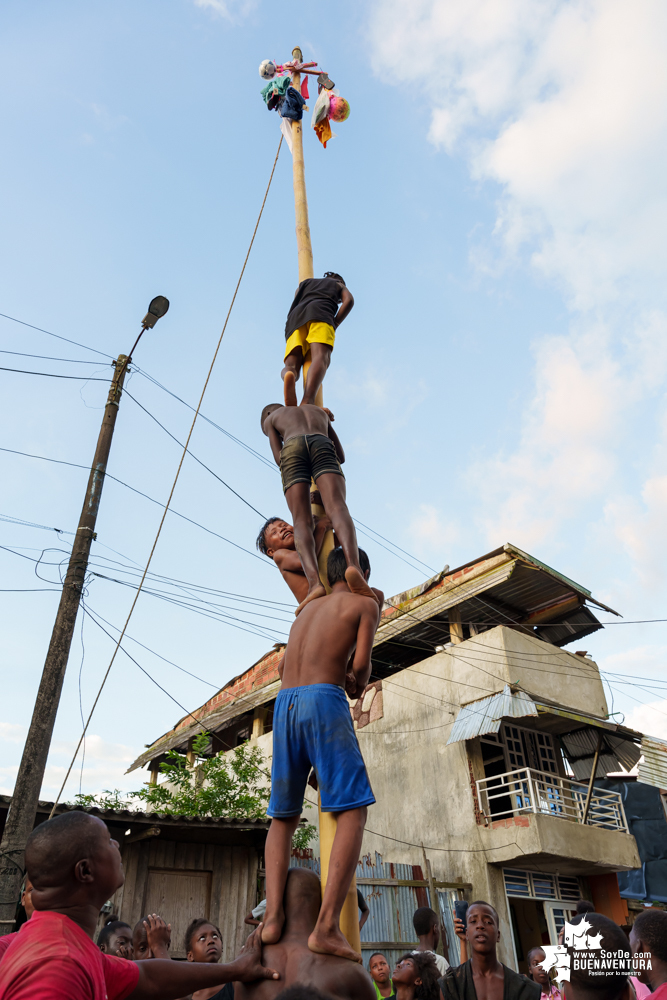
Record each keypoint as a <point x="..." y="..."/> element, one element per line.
<point x="320" y="305"/>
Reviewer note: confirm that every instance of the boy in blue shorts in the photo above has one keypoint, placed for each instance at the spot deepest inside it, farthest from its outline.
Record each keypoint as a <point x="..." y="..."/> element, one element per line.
<point x="328" y="653"/>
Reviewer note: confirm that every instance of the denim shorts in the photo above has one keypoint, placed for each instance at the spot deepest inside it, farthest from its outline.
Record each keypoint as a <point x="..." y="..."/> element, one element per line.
<point x="312" y="727"/>
<point x="307" y="456"/>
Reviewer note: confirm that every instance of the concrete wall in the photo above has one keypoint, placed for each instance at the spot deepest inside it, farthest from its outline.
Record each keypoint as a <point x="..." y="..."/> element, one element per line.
<point x="484" y="663"/>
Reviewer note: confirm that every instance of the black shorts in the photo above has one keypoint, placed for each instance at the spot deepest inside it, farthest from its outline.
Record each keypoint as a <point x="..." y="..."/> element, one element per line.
<point x="307" y="456"/>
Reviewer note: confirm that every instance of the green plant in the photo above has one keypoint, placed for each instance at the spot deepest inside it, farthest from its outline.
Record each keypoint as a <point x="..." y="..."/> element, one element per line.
<point x="107" y="800"/>
<point x="230" y="784"/>
<point x="233" y="785"/>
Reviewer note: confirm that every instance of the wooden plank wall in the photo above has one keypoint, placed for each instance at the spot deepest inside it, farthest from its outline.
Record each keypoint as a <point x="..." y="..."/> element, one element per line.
<point x="233" y="885"/>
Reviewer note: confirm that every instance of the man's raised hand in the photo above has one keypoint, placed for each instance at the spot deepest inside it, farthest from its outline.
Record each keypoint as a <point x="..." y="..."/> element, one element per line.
<point x="158" y="935"/>
<point x="249" y="963"/>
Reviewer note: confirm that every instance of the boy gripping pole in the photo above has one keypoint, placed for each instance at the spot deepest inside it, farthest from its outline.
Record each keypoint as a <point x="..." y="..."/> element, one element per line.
<point x="328" y="653"/>
<point x="305" y="446"/>
<point x="320" y="305"/>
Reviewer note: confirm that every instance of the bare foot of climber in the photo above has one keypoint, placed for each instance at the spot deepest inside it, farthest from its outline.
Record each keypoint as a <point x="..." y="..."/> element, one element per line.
<point x="289" y="388"/>
<point x="357" y="584"/>
<point x="273" y="928"/>
<point x="312" y="595"/>
<point x="330" y="941"/>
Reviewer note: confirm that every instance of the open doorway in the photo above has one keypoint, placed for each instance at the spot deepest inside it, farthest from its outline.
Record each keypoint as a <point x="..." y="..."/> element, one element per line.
<point x="529" y="927"/>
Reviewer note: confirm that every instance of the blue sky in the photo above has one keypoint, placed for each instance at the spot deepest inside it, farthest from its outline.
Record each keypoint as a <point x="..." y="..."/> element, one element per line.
<point x="496" y="202"/>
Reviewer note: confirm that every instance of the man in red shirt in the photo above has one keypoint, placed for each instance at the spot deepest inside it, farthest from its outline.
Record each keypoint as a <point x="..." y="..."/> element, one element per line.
<point x="649" y="937"/>
<point x="26" y="903"/>
<point x="75" y="866"/>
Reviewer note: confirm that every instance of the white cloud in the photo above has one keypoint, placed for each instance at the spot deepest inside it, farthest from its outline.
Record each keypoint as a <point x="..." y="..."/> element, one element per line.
<point x="105" y="764"/>
<point x="650" y="718"/>
<point x="431" y="534"/>
<point x="562" y="106"/>
<point x="230" y="10"/>
<point x="10" y="732"/>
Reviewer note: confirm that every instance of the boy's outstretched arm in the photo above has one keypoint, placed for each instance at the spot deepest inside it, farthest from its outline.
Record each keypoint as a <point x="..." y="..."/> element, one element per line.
<point x="336" y="443"/>
<point x="276" y="442"/>
<point x="368" y="623"/>
<point x="166" y="980"/>
<point x="345" y="307"/>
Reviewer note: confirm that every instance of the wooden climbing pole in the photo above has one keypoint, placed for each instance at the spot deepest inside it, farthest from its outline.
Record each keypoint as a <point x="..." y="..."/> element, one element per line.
<point x="349" y="918"/>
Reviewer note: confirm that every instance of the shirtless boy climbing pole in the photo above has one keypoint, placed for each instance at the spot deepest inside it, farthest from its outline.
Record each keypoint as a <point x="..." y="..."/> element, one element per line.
<point x="305" y="446"/>
<point x="328" y="653"/>
<point x="320" y="305"/>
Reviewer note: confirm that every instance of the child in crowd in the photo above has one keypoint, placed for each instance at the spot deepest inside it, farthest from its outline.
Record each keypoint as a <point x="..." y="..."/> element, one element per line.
<point x="306" y="447"/>
<point x="540" y="975"/>
<point x="151" y="938"/>
<point x="416" y="977"/>
<point x="313" y="318"/>
<point x="115" y="938"/>
<point x="427" y="928"/>
<point x="381" y="976"/>
<point x="75" y="867"/>
<point x="328" y="653"/>
<point x="276" y="540"/>
<point x="203" y="943"/>
<point x="28" y="906"/>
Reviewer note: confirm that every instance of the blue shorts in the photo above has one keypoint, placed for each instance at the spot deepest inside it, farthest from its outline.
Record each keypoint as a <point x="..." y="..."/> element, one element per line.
<point x="312" y="727"/>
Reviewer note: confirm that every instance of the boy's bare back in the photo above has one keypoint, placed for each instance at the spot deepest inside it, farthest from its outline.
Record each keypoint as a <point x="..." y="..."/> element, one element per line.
<point x="290" y="421"/>
<point x="324" y="636"/>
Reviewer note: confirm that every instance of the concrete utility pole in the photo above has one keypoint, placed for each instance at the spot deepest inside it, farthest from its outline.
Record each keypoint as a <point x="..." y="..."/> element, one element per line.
<point x="23" y="807"/>
<point x="349" y="918"/>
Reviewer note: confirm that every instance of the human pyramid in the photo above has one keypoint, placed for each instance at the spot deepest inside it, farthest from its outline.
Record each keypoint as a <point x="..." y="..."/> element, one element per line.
<point x="330" y="643"/>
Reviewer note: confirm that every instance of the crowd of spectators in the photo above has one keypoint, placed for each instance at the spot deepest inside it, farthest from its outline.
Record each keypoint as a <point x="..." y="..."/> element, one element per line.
<point x="73" y="867"/>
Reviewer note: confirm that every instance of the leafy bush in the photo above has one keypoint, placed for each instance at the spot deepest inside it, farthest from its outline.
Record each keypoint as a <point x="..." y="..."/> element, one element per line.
<point x="231" y="785"/>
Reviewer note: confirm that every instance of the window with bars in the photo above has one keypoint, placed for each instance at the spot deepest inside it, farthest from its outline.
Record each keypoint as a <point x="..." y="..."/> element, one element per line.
<point x="541" y="885"/>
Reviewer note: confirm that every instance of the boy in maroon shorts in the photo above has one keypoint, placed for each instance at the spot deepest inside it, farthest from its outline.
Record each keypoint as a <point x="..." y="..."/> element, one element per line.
<point x="306" y="447"/>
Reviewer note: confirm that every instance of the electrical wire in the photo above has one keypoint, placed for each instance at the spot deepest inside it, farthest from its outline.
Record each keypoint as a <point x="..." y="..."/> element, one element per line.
<point x="444" y="850"/>
<point x="171" y="510"/>
<point x="159" y="656"/>
<point x="79" y="378"/>
<point x="178" y="471"/>
<point x="48" y="357"/>
<point x="256" y="454"/>
<point x="118" y="646"/>
<point x="192" y="455"/>
<point x="56" y="335"/>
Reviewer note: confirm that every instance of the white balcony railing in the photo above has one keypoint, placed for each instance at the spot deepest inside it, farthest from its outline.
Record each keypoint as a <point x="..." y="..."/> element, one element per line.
<point x="527" y="791"/>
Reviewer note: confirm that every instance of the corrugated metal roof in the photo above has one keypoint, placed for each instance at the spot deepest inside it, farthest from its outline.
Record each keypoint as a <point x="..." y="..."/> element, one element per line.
<point x="484" y="715"/>
<point x="616" y="752"/>
<point x="209" y="723"/>
<point x="137" y="816"/>
<point x="428" y="607"/>
<point x="653" y="768"/>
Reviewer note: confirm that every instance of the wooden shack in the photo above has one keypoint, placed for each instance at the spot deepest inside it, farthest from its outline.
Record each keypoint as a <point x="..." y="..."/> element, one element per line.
<point x="183" y="868"/>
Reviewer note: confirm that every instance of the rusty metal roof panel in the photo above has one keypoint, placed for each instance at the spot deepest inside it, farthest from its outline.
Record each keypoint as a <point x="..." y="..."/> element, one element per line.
<point x="653" y="767"/>
<point x="485" y="714"/>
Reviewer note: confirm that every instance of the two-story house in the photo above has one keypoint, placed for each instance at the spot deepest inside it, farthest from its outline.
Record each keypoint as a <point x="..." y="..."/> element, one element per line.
<point x="483" y="738"/>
